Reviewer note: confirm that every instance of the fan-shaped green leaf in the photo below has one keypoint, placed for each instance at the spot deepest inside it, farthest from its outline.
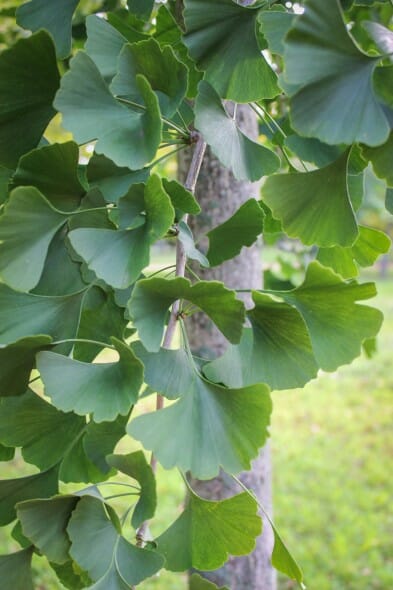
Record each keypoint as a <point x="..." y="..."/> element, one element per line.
<point x="283" y="561"/>
<point x="314" y="206"/>
<point x="332" y="80"/>
<point x="44" y="522"/>
<point x="370" y="244"/>
<point x="248" y="160"/>
<point x="28" y="82"/>
<point x="104" y="44"/>
<point x="113" y="182"/>
<point x="277" y="350"/>
<point x="15" y="570"/>
<point x="101" y="439"/>
<point x="12" y="491"/>
<point x="274" y="25"/>
<point x="141" y="8"/>
<point x="53" y="170"/>
<point x="135" y="465"/>
<point x="152" y="298"/>
<point x="215" y="427"/>
<point x="221" y="37"/>
<point x="119" y="256"/>
<point x="55" y="17"/>
<point x="242" y="229"/>
<point x="167" y="76"/>
<point x="337" y="324"/>
<point x="128" y="136"/>
<point x="182" y="200"/>
<point x="187" y="239"/>
<point x="98" y="547"/>
<point x="207" y="532"/>
<point x="27" y="227"/>
<point x="16" y="363"/>
<point x="24" y="314"/>
<point x="104" y="390"/>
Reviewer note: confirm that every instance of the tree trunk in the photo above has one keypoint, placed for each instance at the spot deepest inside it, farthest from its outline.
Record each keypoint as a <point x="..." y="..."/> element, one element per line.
<point x="219" y="196"/>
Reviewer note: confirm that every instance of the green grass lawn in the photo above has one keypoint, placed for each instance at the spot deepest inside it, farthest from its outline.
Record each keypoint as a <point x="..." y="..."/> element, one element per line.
<point x="332" y="449"/>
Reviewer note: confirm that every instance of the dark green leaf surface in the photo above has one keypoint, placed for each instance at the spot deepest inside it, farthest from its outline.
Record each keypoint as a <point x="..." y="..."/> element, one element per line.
<point x="23" y="314"/>
<point x="15" y="570"/>
<point x="16" y="363"/>
<point x="129" y="137"/>
<point x="215" y="427"/>
<point x="242" y="229"/>
<point x="12" y="491"/>
<point x="104" y="44"/>
<point x="141" y="8"/>
<point x="283" y="561"/>
<point x="112" y="181"/>
<point x="314" y="206"/>
<point x="119" y="256"/>
<point x="277" y="350"/>
<point x="248" y="160"/>
<point x="332" y="80"/>
<point x="28" y="82"/>
<point x="44" y="522"/>
<point x="220" y="36"/>
<point x="274" y="25"/>
<point x="6" y="453"/>
<point x="167" y="76"/>
<point x="152" y="298"/>
<point x="337" y="324"/>
<point x="104" y="390"/>
<point x="53" y="170"/>
<point x="5" y="177"/>
<point x="101" y="439"/>
<point x="135" y="465"/>
<point x="182" y="200"/>
<point x="44" y="433"/>
<point x="55" y="17"/>
<point x="98" y="547"/>
<point x="27" y="227"/>
<point x="207" y="532"/>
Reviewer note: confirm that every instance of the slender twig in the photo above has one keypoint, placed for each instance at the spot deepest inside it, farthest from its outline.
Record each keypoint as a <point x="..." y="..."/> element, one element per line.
<point x="181" y="260"/>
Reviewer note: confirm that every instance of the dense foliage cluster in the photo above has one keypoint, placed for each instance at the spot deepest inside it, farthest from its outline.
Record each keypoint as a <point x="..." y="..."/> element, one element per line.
<point x="75" y="240"/>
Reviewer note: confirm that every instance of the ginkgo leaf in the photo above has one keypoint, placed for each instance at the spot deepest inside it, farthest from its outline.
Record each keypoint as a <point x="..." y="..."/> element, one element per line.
<point x="314" y="206"/>
<point x="221" y="37"/>
<point x="16" y="363"/>
<point x="277" y="350"/>
<point x="370" y="244"/>
<point x="44" y="522"/>
<point x="337" y="324"/>
<point x="167" y="372"/>
<point x="152" y="298"/>
<point x="247" y="159"/>
<point x="53" y="170"/>
<point x="199" y="583"/>
<point x="104" y="390"/>
<point x="206" y="533"/>
<point x="104" y="44"/>
<point x="135" y="465"/>
<point x="98" y="546"/>
<point x="55" y="17"/>
<point x="215" y="427"/>
<point x="24" y="314"/>
<point x="381" y="159"/>
<point x="12" y="491"/>
<point x="187" y="239"/>
<point x="128" y="136"/>
<point x="242" y="229"/>
<point x="15" y="570"/>
<point x="141" y="8"/>
<point x="274" y="25"/>
<point x="119" y="256"/>
<point x="27" y="227"/>
<point x="29" y="80"/>
<point x="113" y="181"/>
<point x="182" y="199"/>
<point x="167" y="76"/>
<point x="283" y="560"/>
<point x="331" y="80"/>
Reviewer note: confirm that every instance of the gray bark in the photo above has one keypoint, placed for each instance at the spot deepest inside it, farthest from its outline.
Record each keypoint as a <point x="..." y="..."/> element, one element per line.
<point x="220" y="195"/>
